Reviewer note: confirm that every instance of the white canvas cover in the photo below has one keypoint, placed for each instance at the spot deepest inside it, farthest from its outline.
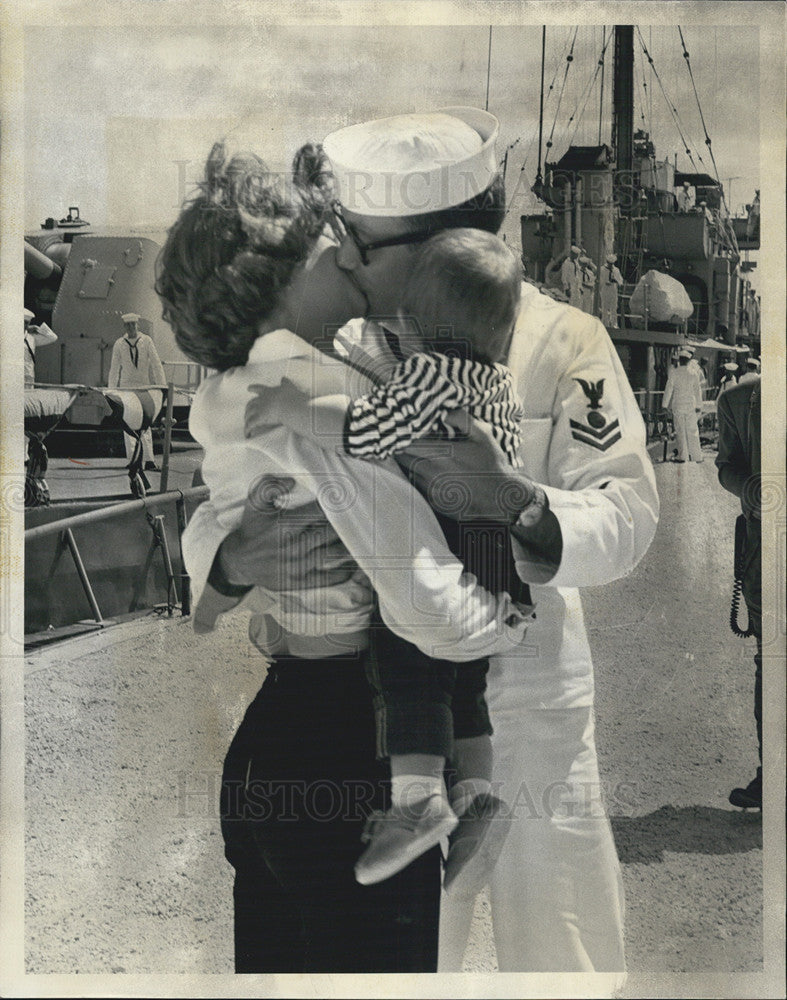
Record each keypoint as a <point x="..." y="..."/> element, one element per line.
<point x="668" y="300"/>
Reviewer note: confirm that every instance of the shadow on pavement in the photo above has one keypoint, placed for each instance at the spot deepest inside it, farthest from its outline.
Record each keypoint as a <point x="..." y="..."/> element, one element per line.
<point x="685" y="830"/>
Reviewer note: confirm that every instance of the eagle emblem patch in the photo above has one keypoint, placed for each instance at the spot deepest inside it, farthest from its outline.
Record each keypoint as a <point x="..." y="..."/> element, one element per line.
<point x="598" y="432"/>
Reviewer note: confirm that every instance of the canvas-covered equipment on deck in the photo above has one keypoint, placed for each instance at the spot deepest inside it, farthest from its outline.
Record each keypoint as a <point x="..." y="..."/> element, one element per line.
<point x="132" y="410"/>
<point x="667" y="299"/>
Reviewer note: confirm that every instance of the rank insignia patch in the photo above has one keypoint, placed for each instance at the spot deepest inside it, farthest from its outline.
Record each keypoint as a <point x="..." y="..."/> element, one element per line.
<point x="602" y="437"/>
<point x="597" y="432"/>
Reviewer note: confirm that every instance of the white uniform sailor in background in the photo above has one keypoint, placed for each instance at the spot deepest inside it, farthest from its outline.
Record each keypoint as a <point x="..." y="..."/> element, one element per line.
<point x="683" y="396"/>
<point x="729" y="376"/>
<point x="556" y="892"/>
<point x="611" y="280"/>
<point x="686" y="197"/>
<point x="752" y="373"/>
<point x="588" y="283"/>
<point x="136" y="365"/>
<point x="571" y="277"/>
<point x="35" y="336"/>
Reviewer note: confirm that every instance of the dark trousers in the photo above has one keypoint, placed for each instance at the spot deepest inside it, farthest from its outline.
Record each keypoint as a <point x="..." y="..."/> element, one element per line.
<point x="299" y="780"/>
<point x="422" y="704"/>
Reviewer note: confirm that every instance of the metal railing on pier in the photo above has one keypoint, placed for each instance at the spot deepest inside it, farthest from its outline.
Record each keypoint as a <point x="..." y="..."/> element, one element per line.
<point x="154" y="509"/>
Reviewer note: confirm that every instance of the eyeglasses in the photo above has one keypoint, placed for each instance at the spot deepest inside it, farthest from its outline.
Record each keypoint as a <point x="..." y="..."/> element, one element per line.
<point x="344" y="228"/>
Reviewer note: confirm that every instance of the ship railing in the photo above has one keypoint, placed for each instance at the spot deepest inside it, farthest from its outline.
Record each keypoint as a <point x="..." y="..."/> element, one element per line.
<point x="624" y="306"/>
<point x="658" y="423"/>
<point x="185" y="375"/>
<point x="65" y="528"/>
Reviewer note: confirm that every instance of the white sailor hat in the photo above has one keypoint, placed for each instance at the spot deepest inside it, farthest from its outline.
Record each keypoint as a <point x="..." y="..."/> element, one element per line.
<point x="130" y="318"/>
<point x="753" y="362"/>
<point x="684" y="353"/>
<point x="414" y="163"/>
<point x="575" y="249"/>
<point x="730" y="366"/>
<point x="29" y="315"/>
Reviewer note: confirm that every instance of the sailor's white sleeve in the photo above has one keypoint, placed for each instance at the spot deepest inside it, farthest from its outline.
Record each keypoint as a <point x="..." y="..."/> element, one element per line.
<point x="424" y="594"/>
<point x="601" y="486"/>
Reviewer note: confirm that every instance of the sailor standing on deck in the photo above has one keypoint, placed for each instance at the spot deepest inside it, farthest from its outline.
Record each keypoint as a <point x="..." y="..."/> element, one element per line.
<point x="686" y="197"/>
<point x="35" y="336"/>
<point x="696" y="367"/>
<point x="611" y="280"/>
<point x="588" y="283"/>
<point x="729" y="377"/>
<point x="571" y="277"/>
<point x="683" y="396"/>
<point x="752" y="373"/>
<point x="136" y="365"/>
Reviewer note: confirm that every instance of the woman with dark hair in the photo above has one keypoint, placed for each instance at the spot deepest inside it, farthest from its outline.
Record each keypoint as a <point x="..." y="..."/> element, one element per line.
<point x="242" y="267"/>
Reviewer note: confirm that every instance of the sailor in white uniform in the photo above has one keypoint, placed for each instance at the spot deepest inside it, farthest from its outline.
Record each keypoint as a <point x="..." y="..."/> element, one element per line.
<point x="588" y="515"/>
<point x="611" y="280"/>
<point x="35" y="336"/>
<point x="683" y="396"/>
<point x="752" y="373"/>
<point x="571" y="277"/>
<point x="136" y="365"/>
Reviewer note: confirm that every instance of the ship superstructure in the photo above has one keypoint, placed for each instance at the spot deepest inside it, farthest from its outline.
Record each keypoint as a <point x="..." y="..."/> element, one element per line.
<point x="618" y="199"/>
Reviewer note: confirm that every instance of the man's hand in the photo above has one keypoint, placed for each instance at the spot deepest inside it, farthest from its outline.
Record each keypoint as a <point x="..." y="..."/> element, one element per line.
<point x="280" y="548"/>
<point x="469" y="478"/>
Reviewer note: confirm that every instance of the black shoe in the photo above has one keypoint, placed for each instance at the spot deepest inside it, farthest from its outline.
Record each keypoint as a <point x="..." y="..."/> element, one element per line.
<point x="151" y="467"/>
<point x="749" y="797"/>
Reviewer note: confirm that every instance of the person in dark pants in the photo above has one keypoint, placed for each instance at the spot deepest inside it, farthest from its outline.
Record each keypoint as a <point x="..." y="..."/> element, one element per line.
<point x="301" y="779"/>
<point x="298" y="906"/>
<point x="738" y="463"/>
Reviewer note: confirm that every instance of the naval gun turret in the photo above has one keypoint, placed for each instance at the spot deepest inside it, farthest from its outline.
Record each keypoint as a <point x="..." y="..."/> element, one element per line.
<point x="80" y="281"/>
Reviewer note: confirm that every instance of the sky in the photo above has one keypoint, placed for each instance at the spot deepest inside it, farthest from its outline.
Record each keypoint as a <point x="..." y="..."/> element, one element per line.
<point x="120" y="123"/>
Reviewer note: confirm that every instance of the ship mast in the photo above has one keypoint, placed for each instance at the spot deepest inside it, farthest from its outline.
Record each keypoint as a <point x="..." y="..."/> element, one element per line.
<point x="623" y="107"/>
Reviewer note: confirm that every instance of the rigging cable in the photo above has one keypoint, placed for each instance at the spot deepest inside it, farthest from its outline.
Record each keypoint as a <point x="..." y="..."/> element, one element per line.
<point x="541" y="102"/>
<point x="601" y="86"/>
<point x="673" y="110"/>
<point x="699" y="108"/>
<point x="729" y="231"/>
<point x="488" y="68"/>
<point x="550" y="90"/>
<point x="589" y="89"/>
<point x="569" y="60"/>
<point x="643" y="85"/>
